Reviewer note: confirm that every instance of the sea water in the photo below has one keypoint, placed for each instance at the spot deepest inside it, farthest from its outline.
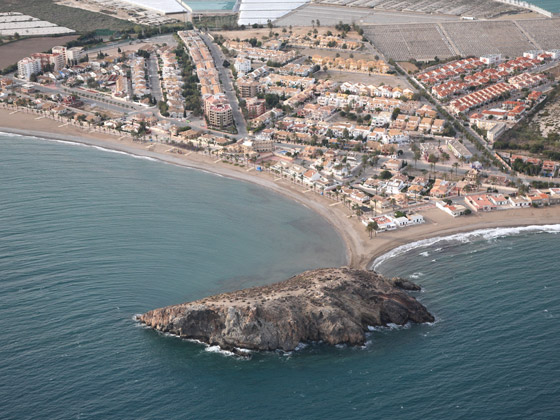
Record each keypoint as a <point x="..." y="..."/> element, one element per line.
<point x="550" y="5"/>
<point x="88" y="239"/>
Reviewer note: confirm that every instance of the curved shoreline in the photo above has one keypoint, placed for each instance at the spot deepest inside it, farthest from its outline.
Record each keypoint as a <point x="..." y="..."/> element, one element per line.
<point x="361" y="252"/>
<point x="229" y="172"/>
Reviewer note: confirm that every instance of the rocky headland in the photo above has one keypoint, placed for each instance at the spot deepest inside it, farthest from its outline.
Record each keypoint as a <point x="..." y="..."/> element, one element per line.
<point x="334" y="305"/>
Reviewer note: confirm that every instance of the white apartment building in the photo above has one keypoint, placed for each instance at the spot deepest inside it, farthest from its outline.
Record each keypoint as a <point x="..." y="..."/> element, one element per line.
<point x="242" y="65"/>
<point x="28" y="66"/>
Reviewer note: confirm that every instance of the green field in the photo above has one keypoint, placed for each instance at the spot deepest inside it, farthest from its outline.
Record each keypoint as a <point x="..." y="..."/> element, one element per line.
<point x="77" y="19"/>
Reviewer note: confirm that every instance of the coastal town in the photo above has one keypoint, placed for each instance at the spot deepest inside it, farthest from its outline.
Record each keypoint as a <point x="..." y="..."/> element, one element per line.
<point x="317" y="107"/>
<point x="279" y="209"/>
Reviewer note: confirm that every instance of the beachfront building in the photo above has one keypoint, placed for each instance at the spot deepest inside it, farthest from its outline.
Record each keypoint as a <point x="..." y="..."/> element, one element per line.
<point x="454" y="210"/>
<point x="519" y="202"/>
<point x="218" y="111"/>
<point x="481" y="202"/>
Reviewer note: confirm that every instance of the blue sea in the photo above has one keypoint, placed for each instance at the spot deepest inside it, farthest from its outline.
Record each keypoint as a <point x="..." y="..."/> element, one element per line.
<point x="550" y="5"/>
<point x="90" y="238"/>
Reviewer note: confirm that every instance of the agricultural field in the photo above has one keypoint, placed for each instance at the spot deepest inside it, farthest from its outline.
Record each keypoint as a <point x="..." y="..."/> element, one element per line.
<point x="77" y="19"/>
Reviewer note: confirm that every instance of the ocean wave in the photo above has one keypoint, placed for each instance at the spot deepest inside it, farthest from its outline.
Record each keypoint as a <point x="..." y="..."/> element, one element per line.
<point x="219" y="350"/>
<point x="424" y="254"/>
<point x="3" y="133"/>
<point x="301" y="346"/>
<point x="416" y="275"/>
<point x="101" y="148"/>
<point x="467" y="237"/>
<point x="390" y="326"/>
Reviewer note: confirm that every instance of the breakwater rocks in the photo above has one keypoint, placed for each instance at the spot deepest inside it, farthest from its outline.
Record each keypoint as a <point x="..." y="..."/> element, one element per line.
<point x="334" y="305"/>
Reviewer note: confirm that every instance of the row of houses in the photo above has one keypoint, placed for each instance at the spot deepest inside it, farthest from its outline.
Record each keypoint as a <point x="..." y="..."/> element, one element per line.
<point x="491" y="202"/>
<point x="351" y="64"/>
<point x="491" y="67"/>
<point x="172" y="82"/>
<point x="383" y="91"/>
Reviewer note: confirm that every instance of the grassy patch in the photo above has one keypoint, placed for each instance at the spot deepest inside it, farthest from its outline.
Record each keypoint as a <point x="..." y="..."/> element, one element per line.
<point x="77" y="19"/>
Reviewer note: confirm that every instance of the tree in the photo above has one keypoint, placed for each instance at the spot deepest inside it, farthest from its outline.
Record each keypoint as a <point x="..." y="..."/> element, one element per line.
<point x="456" y="166"/>
<point x="372" y="227"/>
<point x="417" y="156"/>
<point x="385" y="174"/>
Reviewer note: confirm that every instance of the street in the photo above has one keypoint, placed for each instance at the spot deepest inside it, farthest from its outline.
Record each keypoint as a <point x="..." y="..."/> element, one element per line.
<point x="227" y="84"/>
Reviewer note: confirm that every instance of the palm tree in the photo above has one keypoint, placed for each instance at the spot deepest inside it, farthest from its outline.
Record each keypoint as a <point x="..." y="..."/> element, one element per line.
<point x="456" y="166"/>
<point x="417" y="156"/>
<point x="372" y="227"/>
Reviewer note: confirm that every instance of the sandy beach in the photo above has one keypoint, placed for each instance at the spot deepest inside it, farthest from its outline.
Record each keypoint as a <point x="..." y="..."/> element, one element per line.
<point x="361" y="250"/>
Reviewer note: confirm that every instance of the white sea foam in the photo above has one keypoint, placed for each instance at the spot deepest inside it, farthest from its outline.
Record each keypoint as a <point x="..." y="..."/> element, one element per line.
<point x="301" y="346"/>
<point x="416" y="275"/>
<point x="424" y="254"/>
<point x="481" y="234"/>
<point x="219" y="350"/>
<point x="3" y="133"/>
<point x="242" y="350"/>
<point x="390" y="326"/>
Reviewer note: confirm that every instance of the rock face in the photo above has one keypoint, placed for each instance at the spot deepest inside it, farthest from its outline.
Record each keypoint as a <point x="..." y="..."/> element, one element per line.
<point x="333" y="305"/>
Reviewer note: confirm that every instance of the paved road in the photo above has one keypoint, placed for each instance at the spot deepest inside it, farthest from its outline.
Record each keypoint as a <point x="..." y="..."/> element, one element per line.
<point x="225" y="77"/>
<point x="153" y="77"/>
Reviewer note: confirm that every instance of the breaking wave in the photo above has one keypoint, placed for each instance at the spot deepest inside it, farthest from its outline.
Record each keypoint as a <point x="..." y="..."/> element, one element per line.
<point x="467" y="237"/>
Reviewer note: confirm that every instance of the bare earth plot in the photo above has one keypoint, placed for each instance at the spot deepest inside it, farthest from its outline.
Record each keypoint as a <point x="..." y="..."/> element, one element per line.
<point x="406" y="42"/>
<point x="12" y="52"/>
<point x="331" y="15"/>
<point x="476" y="8"/>
<point x="546" y="33"/>
<point x="480" y="38"/>
<point x="77" y="19"/>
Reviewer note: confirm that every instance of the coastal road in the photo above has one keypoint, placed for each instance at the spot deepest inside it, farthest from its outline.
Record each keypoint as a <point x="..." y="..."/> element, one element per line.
<point x="227" y="83"/>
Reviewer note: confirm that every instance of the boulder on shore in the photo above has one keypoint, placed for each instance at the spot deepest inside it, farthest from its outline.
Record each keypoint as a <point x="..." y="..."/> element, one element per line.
<point x="334" y="305"/>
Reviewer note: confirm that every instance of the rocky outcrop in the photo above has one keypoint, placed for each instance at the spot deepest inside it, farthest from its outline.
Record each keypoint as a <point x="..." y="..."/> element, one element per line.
<point x="331" y="305"/>
<point x="405" y="284"/>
